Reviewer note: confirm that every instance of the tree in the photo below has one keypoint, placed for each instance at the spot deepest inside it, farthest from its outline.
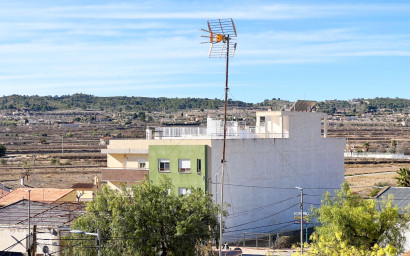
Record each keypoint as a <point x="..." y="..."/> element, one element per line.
<point x="366" y="146"/>
<point x="2" y="150"/>
<point x="393" y="146"/>
<point x="354" y="226"/>
<point x="147" y="220"/>
<point x="142" y="116"/>
<point x="403" y="180"/>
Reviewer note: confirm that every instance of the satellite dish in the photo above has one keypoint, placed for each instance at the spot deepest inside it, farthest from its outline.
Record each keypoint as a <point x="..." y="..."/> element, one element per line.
<point x="46" y="249"/>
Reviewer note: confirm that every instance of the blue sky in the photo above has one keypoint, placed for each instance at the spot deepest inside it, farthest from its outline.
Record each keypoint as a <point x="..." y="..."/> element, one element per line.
<point x="291" y="50"/>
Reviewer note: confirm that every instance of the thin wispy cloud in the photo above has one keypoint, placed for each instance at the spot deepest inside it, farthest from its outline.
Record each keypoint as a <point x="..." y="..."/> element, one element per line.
<point x="154" y="46"/>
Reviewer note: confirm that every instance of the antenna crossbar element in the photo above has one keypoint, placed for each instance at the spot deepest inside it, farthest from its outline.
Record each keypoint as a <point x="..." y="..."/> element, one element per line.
<point x="221" y="32"/>
<point x="219" y="50"/>
<point x="223" y="27"/>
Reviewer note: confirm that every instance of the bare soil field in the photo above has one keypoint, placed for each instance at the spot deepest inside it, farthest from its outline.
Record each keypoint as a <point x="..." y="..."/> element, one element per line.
<point x="362" y="177"/>
<point x="46" y="157"/>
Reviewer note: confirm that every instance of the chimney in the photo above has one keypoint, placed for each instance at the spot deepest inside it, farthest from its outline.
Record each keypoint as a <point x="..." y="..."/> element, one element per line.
<point x="22" y="181"/>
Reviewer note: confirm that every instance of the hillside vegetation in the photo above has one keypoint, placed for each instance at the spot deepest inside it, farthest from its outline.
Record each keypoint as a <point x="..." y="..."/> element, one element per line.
<point x="136" y="104"/>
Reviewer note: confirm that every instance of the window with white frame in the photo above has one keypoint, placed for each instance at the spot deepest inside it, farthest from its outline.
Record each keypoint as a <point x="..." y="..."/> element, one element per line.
<point x="163" y="165"/>
<point x="184" y="165"/>
<point x="184" y="191"/>
<point x="142" y="163"/>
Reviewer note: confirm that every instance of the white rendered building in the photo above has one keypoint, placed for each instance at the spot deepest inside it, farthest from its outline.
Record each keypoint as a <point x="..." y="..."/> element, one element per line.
<point x="264" y="164"/>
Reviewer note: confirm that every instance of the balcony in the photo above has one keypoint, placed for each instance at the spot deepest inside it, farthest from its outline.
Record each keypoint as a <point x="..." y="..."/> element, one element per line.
<point x="124" y="174"/>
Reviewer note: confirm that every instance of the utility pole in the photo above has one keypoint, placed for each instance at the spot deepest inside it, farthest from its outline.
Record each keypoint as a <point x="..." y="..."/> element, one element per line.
<point x="221" y="31"/>
<point x="29" y="228"/>
<point x="301" y="219"/>
<point x="33" y="245"/>
<point x="99" y="241"/>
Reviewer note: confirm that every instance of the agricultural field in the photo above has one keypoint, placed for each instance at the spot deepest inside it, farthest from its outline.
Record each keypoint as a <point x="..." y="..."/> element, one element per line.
<point x="50" y="156"/>
<point x="58" y="149"/>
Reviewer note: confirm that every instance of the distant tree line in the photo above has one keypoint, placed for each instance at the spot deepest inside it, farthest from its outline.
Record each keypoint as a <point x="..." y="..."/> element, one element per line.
<point x="361" y="106"/>
<point x="145" y="104"/>
<point x="126" y="104"/>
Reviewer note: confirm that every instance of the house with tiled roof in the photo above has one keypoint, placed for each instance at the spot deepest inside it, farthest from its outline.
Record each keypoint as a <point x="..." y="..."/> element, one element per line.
<point x="86" y="191"/>
<point x="51" y="221"/>
<point x="47" y="195"/>
<point x="3" y="192"/>
<point x="401" y="199"/>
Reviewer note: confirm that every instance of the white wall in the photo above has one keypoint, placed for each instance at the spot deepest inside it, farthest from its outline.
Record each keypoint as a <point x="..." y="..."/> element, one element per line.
<point x="407" y="243"/>
<point x="7" y="232"/>
<point x="303" y="161"/>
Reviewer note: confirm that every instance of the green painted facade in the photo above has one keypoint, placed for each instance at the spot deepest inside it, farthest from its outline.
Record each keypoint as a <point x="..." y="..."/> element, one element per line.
<point x="174" y="153"/>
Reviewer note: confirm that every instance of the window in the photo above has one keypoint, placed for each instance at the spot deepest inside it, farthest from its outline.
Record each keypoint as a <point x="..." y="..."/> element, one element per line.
<point x="198" y="165"/>
<point x="163" y="165"/>
<point x="184" y="191"/>
<point x="142" y="163"/>
<point x="262" y="120"/>
<point x="184" y="165"/>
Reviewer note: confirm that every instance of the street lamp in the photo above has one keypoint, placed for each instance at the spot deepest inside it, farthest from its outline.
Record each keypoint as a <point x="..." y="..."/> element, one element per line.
<point x="301" y="219"/>
<point x="98" y="235"/>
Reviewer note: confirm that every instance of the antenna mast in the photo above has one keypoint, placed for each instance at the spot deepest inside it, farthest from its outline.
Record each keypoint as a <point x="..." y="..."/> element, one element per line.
<point x="221" y="31"/>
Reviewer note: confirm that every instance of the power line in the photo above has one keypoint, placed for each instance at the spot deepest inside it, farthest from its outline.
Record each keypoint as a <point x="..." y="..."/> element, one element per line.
<point x="276" y="213"/>
<point x="261" y="207"/>
<point x="264" y="226"/>
<point x="11" y="246"/>
<point x="268" y="187"/>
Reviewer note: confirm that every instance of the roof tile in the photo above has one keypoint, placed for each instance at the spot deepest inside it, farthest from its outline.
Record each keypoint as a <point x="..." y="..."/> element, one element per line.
<point x="36" y="194"/>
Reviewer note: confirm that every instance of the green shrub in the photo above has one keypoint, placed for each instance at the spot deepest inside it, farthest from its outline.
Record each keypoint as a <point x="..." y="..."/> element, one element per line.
<point x="380" y="185"/>
<point x="54" y="161"/>
<point x="2" y="150"/>
<point x="283" y="242"/>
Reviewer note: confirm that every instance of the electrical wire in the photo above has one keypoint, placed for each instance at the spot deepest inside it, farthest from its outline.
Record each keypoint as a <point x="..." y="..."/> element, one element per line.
<point x="11" y="246"/>
<point x="276" y="213"/>
<point x="262" y="207"/>
<point x="264" y="226"/>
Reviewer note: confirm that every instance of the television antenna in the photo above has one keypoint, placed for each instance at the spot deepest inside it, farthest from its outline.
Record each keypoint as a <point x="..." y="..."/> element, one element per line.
<point x="221" y="35"/>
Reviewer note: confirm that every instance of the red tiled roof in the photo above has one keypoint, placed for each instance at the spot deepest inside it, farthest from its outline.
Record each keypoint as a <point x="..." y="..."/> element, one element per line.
<point x="3" y="193"/>
<point x="83" y="185"/>
<point x="36" y="194"/>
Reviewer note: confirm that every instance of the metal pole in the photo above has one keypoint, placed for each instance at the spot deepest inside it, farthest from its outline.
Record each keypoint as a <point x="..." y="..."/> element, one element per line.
<point x="62" y="144"/>
<point x="257" y="241"/>
<point x="224" y="145"/>
<point x="216" y="187"/>
<point x="99" y="241"/>
<point x="29" y="228"/>
<point x="306" y="239"/>
<point x="301" y="221"/>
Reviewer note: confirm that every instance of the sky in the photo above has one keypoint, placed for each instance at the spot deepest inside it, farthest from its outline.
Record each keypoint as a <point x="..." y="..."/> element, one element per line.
<point x="312" y="50"/>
